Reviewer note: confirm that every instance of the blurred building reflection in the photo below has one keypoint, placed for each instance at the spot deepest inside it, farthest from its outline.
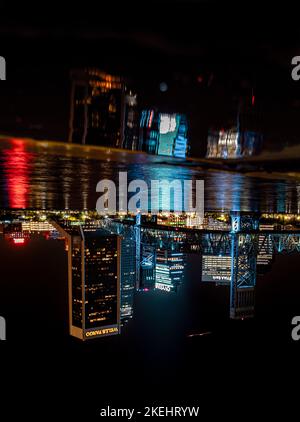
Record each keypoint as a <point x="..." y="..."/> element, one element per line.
<point x="232" y="143"/>
<point x="103" y="110"/>
<point x="163" y="134"/>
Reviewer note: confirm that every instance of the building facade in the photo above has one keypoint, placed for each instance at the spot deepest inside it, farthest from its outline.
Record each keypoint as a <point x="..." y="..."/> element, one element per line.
<point x="128" y="277"/>
<point x="94" y="281"/>
<point x="169" y="270"/>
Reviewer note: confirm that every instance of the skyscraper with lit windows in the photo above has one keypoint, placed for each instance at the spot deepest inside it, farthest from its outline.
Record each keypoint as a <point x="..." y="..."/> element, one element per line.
<point x="128" y="277"/>
<point x="146" y="281"/>
<point x="169" y="270"/>
<point x="94" y="281"/>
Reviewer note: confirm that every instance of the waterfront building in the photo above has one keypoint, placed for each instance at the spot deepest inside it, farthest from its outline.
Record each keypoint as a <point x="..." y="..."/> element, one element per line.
<point x="149" y="131"/>
<point x="188" y="219"/>
<point x="128" y="277"/>
<point x="216" y="269"/>
<point x="37" y="226"/>
<point x="147" y="279"/>
<point x="266" y="250"/>
<point x="94" y="281"/>
<point x="169" y="270"/>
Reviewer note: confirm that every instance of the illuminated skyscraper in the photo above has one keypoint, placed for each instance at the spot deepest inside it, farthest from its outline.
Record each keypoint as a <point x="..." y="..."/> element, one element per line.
<point x="103" y="110"/>
<point x="128" y="276"/>
<point x="216" y="269"/>
<point x="266" y="250"/>
<point x="94" y="282"/>
<point x="147" y="270"/>
<point x="169" y="270"/>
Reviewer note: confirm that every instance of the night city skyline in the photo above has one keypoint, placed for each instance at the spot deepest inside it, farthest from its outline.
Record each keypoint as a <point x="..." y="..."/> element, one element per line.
<point x="149" y="208"/>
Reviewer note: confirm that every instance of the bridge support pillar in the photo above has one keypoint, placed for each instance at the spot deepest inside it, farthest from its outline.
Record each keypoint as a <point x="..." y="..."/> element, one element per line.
<point x="137" y="234"/>
<point x="243" y="266"/>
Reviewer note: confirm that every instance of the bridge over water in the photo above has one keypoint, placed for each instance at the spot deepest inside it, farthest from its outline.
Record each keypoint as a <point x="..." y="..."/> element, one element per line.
<point x="243" y="242"/>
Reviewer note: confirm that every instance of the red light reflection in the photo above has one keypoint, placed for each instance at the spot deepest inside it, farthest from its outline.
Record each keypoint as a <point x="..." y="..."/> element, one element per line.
<point x="17" y="164"/>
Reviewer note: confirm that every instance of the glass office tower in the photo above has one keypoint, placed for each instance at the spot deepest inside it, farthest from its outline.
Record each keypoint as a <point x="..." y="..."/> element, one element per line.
<point x="94" y="281"/>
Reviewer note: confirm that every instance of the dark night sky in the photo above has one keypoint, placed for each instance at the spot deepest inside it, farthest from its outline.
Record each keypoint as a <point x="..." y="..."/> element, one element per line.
<point x="234" y="47"/>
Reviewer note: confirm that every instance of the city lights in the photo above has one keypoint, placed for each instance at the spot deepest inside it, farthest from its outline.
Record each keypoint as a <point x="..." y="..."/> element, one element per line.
<point x="19" y="241"/>
<point x="149" y="208"/>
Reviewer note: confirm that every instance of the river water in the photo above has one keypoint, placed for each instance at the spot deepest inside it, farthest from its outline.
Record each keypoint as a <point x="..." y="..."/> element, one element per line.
<point x="51" y="176"/>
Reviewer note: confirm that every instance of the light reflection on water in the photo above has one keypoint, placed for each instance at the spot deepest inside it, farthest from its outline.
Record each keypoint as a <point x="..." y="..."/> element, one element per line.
<point x="43" y="178"/>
